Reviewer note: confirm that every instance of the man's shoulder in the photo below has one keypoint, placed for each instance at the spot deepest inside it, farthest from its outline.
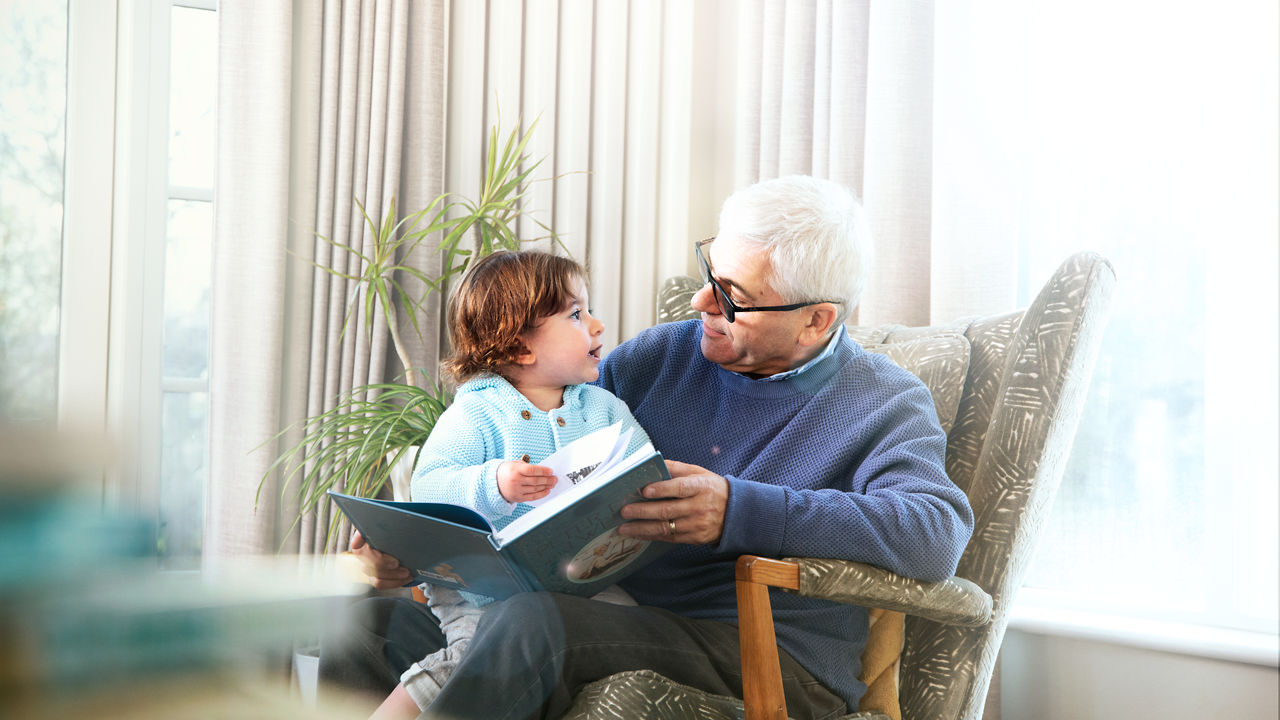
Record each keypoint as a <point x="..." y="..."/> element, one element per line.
<point x="874" y="373"/>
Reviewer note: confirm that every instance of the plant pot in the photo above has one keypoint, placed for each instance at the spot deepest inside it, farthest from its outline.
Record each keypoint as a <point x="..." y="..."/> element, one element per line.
<point x="306" y="672"/>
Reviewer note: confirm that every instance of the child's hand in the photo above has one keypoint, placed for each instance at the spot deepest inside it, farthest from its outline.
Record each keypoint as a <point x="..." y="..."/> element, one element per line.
<point x="522" y="482"/>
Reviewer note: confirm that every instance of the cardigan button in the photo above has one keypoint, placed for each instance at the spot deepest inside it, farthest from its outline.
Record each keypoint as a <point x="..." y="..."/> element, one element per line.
<point x="524" y="458"/>
<point x="560" y="421"/>
<point x="526" y="414"/>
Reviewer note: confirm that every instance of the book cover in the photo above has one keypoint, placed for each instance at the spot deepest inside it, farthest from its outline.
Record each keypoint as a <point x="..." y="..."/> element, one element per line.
<point x="569" y="544"/>
<point x="574" y="547"/>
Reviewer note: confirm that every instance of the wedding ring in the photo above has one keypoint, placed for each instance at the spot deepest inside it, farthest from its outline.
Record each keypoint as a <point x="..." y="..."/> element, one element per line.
<point x="671" y="527"/>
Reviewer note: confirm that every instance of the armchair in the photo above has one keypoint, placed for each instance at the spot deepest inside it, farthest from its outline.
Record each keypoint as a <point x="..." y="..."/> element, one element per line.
<point x="1009" y="390"/>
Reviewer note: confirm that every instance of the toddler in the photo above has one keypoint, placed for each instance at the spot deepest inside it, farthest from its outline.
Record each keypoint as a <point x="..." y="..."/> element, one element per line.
<point x="525" y="345"/>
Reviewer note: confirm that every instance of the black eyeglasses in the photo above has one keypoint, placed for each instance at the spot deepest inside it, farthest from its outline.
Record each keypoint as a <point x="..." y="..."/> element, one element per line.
<point x="727" y="306"/>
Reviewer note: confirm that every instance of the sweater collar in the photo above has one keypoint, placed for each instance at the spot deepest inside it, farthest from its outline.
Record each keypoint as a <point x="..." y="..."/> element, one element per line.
<point x="571" y="400"/>
<point x="836" y="338"/>
<point x="809" y="378"/>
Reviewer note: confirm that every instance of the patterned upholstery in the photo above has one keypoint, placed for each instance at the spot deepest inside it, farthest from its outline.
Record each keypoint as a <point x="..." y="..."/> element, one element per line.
<point x="1026" y="374"/>
<point x="940" y="360"/>
<point x="646" y="694"/>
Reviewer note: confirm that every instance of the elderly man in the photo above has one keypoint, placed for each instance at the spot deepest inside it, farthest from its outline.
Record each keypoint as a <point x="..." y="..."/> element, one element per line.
<point x="783" y="437"/>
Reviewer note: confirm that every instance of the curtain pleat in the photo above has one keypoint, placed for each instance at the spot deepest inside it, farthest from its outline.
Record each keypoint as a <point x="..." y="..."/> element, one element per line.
<point x="847" y="121"/>
<point x="250" y="208"/>
<point x="773" y="52"/>
<point x="313" y="106"/>
<point x="613" y="105"/>
<point x="842" y="91"/>
<point x="898" y="172"/>
<point x="820" y="145"/>
<point x="301" y="282"/>
<point x="421" y="159"/>
<point x="750" y="62"/>
<point x="798" y="74"/>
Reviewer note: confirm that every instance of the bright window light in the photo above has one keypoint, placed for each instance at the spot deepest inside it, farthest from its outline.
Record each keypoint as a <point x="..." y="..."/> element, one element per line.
<point x="33" y="80"/>
<point x="1147" y="132"/>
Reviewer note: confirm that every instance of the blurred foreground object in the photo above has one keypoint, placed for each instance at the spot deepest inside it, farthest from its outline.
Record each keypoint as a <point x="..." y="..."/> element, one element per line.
<point x="89" y="626"/>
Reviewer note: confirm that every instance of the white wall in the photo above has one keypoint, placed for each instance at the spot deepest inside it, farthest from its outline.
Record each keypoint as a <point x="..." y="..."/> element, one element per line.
<point x="1047" y="677"/>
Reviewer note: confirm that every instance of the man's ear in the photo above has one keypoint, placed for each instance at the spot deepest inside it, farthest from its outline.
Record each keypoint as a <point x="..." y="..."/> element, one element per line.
<point x="820" y="319"/>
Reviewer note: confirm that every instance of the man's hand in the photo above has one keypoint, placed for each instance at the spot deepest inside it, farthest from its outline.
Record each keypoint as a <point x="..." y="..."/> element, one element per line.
<point x="522" y="482"/>
<point x="384" y="571"/>
<point x="691" y="509"/>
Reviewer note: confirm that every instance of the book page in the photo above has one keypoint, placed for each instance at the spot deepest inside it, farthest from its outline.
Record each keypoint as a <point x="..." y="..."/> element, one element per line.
<point x="594" y="452"/>
<point x="549" y="505"/>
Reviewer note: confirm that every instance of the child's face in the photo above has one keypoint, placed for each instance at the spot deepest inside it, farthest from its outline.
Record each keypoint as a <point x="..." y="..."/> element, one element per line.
<point x="564" y="348"/>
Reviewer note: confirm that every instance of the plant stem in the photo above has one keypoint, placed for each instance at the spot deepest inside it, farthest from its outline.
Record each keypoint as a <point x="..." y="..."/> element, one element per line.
<point x="410" y="377"/>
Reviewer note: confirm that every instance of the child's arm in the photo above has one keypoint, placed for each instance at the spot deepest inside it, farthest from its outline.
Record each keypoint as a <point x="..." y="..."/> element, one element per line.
<point x="456" y="466"/>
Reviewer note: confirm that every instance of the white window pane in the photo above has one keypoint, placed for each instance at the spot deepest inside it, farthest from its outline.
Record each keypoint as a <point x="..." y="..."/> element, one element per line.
<point x="183" y="468"/>
<point x="187" y="263"/>
<point x="1164" y="160"/>
<point x="192" y="79"/>
<point x="33" y="80"/>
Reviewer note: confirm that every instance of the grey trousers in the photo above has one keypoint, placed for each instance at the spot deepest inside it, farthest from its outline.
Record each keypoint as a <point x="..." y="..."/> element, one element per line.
<point x="533" y="652"/>
<point x="458" y="620"/>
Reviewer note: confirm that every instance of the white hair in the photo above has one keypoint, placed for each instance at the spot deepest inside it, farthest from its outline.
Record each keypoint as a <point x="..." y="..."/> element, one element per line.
<point x="815" y="233"/>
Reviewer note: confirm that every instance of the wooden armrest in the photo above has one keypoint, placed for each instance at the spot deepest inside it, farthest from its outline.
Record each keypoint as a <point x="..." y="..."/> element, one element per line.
<point x="761" y="673"/>
<point x="954" y="601"/>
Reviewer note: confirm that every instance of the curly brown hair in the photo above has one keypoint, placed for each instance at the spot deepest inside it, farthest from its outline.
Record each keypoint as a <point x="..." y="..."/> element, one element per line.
<point x="501" y="297"/>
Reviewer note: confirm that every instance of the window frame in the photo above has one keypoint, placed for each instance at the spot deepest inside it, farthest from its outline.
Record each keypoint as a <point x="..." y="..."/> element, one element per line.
<point x="115" y="215"/>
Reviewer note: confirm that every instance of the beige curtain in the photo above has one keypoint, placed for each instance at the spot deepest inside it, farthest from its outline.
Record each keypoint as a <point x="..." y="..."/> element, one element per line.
<point x="319" y="104"/>
<point x="611" y="86"/>
<point x="843" y="89"/>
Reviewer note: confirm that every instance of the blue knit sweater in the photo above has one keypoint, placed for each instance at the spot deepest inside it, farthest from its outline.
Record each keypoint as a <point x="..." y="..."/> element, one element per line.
<point x="489" y="423"/>
<point x="843" y="460"/>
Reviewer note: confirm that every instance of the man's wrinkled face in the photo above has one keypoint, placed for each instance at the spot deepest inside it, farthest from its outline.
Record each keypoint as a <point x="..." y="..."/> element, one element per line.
<point x="755" y="343"/>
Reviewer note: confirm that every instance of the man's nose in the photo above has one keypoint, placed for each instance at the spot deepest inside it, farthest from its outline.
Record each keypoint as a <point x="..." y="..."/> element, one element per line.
<point x="704" y="300"/>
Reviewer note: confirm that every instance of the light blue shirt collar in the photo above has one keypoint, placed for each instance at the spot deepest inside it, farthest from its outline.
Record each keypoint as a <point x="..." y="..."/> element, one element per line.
<point x="836" y="338"/>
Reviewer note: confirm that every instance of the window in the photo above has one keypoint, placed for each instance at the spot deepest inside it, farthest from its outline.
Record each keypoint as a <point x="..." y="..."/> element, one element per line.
<point x="129" y="91"/>
<point x="187" y="264"/>
<point x="33" y="79"/>
<point x="1147" y="132"/>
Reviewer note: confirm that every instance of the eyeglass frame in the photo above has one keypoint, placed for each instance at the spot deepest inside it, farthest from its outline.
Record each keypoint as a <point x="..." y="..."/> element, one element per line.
<point x="727" y="307"/>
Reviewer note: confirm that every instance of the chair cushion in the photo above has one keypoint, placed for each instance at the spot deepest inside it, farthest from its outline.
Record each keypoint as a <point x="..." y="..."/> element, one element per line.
<point x="882" y="662"/>
<point x="939" y="358"/>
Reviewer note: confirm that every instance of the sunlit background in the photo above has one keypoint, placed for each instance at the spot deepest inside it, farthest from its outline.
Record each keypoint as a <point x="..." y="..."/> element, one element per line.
<point x="1144" y="131"/>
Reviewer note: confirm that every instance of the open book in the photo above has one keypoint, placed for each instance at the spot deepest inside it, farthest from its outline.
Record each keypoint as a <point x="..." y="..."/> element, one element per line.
<point x="567" y="543"/>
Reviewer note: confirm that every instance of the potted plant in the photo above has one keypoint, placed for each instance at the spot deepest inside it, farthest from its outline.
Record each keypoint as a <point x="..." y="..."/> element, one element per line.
<point x="354" y="447"/>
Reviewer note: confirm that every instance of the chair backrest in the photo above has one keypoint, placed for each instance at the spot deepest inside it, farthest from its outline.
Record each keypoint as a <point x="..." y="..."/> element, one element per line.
<point x="1009" y="434"/>
<point x="1028" y="375"/>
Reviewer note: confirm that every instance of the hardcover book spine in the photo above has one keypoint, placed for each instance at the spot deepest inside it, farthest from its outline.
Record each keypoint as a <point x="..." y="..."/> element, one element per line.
<point x="511" y="561"/>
